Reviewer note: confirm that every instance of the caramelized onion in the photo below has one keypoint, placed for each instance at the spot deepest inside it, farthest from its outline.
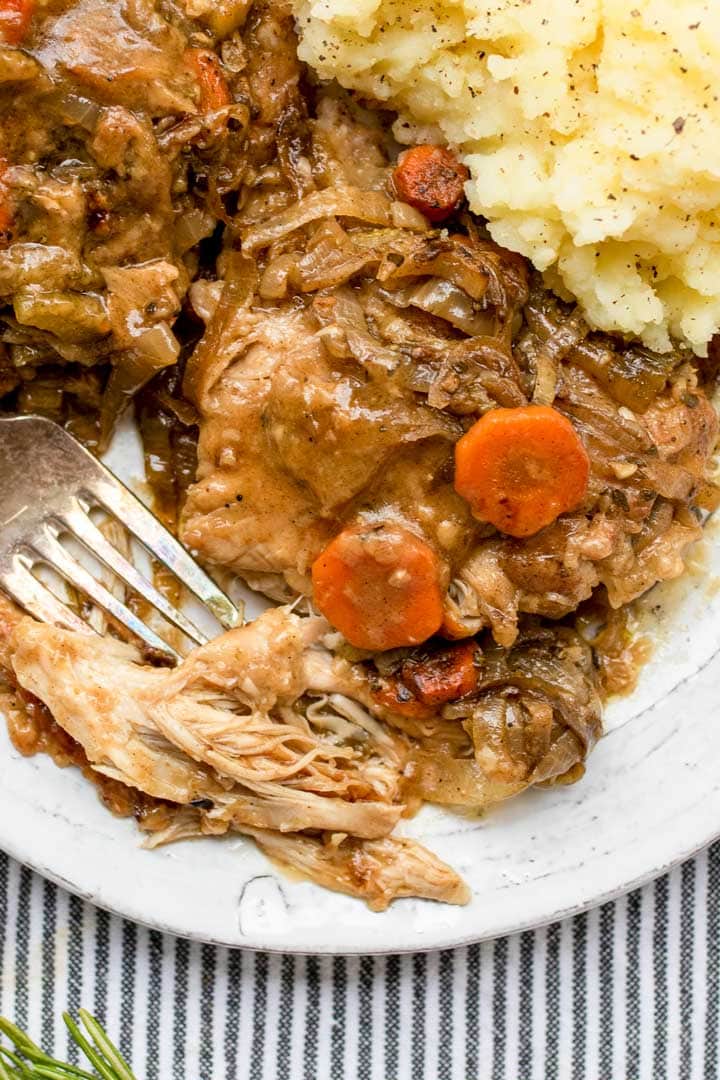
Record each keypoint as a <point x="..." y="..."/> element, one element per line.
<point x="274" y="281"/>
<point x="634" y="376"/>
<point x="159" y="345"/>
<point x="405" y="216"/>
<point x="446" y="301"/>
<point x="79" y="110"/>
<point x="445" y="780"/>
<point x="343" y="313"/>
<point x="442" y="259"/>
<point x="547" y="372"/>
<point x="131" y="370"/>
<point x="219" y="345"/>
<point x="334" y="202"/>
<point x="191" y="228"/>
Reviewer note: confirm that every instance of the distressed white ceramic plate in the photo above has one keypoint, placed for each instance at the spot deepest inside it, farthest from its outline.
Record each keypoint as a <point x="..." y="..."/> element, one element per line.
<point x="650" y="798"/>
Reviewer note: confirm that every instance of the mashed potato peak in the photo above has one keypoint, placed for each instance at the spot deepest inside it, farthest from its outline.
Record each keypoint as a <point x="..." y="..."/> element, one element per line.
<point x="591" y="130"/>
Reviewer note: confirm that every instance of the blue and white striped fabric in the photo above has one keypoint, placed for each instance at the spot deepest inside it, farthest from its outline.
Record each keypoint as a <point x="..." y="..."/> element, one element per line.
<point x="629" y="991"/>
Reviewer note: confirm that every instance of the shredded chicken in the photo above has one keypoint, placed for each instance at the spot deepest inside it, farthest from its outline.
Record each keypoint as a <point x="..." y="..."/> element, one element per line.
<point x="224" y="733"/>
<point x="379" y="871"/>
<point x="223" y="718"/>
<point x="376" y="871"/>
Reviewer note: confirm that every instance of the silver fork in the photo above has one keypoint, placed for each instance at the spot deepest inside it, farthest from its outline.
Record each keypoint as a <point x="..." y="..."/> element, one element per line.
<point x="49" y="483"/>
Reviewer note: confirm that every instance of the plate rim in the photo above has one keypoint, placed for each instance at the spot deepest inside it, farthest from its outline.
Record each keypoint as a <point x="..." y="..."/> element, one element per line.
<point x="448" y="942"/>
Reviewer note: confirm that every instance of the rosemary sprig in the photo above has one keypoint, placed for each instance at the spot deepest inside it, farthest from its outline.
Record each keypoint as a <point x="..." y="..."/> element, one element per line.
<point x="28" y="1062"/>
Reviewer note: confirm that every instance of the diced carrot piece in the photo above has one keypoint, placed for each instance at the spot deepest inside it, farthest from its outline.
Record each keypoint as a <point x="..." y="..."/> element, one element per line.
<point x="214" y="90"/>
<point x="380" y="586"/>
<point x="395" y="696"/>
<point x="444" y="676"/>
<point x="15" y="17"/>
<point x="431" y="179"/>
<point x="521" y="468"/>
<point x="422" y="684"/>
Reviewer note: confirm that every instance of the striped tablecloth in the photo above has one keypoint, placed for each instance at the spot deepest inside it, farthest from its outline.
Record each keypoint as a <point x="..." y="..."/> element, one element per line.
<point x="627" y="991"/>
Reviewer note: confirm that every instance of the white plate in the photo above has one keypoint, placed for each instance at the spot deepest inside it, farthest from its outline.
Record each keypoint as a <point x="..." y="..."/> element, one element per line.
<point x="651" y="797"/>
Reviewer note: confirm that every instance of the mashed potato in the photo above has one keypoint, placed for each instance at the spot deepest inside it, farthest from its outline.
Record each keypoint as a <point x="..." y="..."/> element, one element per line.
<point x="591" y="129"/>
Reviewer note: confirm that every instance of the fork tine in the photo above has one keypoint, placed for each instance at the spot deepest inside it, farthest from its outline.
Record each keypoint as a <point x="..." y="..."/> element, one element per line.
<point x="119" y="501"/>
<point x="51" y="551"/>
<point x="80" y="525"/>
<point x="36" y="598"/>
<point x="45" y="472"/>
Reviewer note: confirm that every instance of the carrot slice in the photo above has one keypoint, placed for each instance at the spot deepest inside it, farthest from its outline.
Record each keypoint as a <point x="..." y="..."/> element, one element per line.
<point x="379" y="585"/>
<point x="520" y="468"/>
<point x="15" y="16"/>
<point x="214" y="90"/>
<point x="431" y="179"/>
